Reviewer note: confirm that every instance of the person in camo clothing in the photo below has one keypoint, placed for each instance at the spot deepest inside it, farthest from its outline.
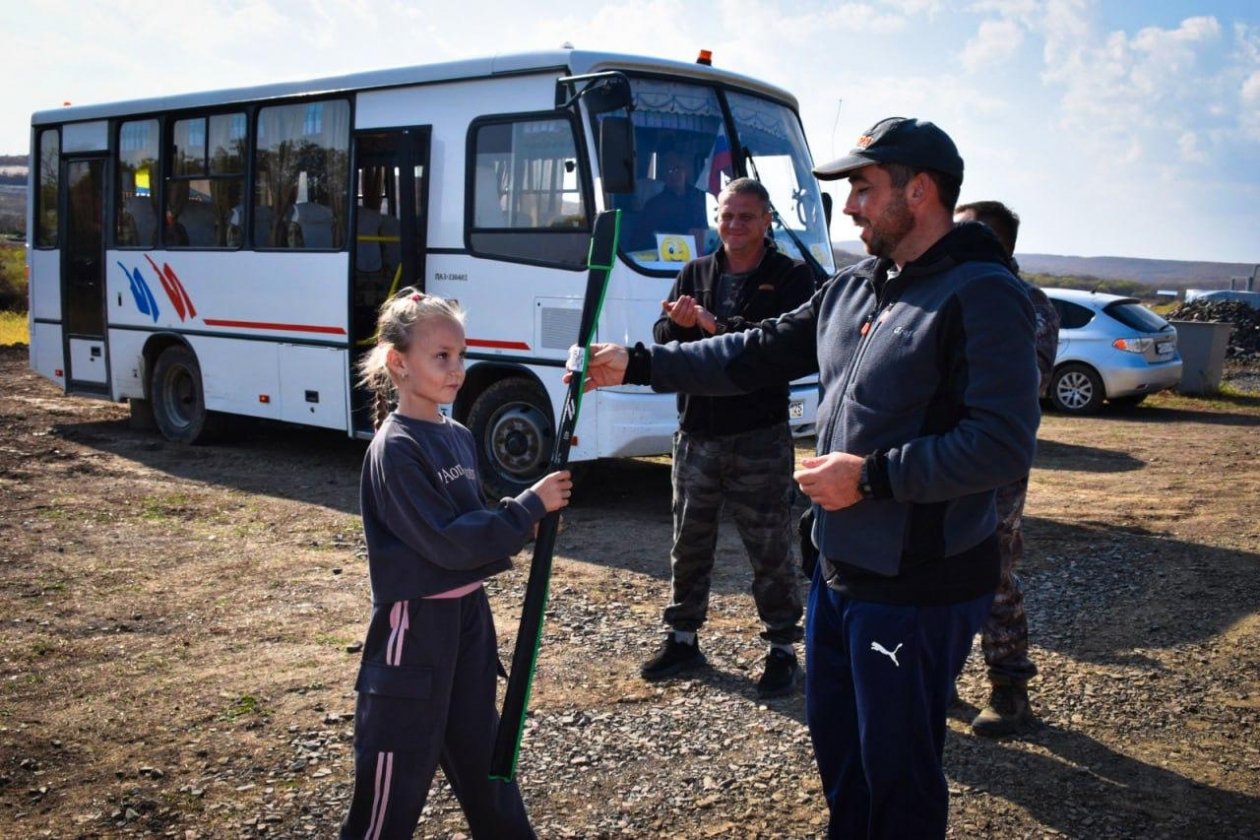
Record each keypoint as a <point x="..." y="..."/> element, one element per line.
<point x="1004" y="636"/>
<point x="734" y="452"/>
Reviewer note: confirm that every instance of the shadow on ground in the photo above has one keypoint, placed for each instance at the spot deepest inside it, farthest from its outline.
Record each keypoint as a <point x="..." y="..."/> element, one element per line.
<point x="1062" y="766"/>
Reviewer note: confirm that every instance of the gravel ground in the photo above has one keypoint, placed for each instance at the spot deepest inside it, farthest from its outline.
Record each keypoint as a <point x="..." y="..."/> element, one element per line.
<point x="225" y="712"/>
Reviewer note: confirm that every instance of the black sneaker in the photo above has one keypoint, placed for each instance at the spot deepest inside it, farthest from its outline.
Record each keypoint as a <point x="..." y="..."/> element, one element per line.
<point x="780" y="676"/>
<point x="1007" y="712"/>
<point x="674" y="657"/>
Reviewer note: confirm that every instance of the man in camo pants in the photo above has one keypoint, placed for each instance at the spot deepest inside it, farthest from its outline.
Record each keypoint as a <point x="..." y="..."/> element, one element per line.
<point x="1004" y="637"/>
<point x="734" y="452"/>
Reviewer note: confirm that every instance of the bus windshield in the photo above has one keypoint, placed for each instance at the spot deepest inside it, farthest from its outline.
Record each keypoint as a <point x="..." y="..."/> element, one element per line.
<point x="685" y="154"/>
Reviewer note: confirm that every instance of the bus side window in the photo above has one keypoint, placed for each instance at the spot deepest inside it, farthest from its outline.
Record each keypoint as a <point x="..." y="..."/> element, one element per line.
<point x="301" y="175"/>
<point x="526" y="192"/>
<point x="138" y="167"/>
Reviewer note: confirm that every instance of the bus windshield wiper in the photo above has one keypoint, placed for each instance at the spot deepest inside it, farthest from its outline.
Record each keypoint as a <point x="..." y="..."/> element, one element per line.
<point x="820" y="273"/>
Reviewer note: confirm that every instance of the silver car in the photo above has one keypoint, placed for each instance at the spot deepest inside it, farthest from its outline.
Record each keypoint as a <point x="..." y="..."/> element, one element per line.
<point x="1110" y="348"/>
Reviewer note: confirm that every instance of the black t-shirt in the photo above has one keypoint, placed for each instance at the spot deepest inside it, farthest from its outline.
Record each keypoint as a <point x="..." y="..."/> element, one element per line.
<point x="727" y="297"/>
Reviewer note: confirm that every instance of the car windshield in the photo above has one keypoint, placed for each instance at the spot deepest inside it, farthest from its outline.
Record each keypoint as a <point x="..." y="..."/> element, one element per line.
<point x="685" y="154"/>
<point x="1136" y="316"/>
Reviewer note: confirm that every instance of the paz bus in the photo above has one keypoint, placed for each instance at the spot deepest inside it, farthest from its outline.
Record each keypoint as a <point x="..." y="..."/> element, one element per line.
<point x="225" y="253"/>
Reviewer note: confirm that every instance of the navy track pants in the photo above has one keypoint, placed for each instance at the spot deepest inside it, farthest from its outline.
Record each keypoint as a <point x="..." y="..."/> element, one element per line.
<point x="877" y="686"/>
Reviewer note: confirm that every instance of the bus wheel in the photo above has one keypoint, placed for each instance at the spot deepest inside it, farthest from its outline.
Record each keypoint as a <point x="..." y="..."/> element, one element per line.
<point x="178" y="399"/>
<point x="512" y="425"/>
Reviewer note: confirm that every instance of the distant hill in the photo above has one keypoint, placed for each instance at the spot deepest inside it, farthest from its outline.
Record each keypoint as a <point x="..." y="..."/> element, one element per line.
<point x="1205" y="275"/>
<point x="1159" y="273"/>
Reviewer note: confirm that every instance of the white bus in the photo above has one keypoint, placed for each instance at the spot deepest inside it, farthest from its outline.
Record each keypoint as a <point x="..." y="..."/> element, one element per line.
<point x="224" y="253"/>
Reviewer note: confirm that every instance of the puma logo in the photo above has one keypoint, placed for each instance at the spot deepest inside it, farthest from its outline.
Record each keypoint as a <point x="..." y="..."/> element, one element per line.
<point x="891" y="654"/>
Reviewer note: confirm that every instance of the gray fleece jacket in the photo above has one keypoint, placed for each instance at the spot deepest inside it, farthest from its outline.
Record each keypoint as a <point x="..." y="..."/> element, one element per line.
<point x="932" y="377"/>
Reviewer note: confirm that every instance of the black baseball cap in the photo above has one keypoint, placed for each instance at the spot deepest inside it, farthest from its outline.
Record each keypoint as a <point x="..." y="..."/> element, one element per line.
<point x="915" y="143"/>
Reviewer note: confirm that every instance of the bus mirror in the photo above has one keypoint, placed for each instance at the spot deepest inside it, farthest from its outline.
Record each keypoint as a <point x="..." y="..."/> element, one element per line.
<point x="611" y="93"/>
<point x="603" y="92"/>
<point x="826" y="199"/>
<point x="616" y="154"/>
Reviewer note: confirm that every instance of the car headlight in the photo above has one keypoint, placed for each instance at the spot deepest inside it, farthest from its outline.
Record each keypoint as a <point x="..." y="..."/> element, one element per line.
<point x="1133" y="345"/>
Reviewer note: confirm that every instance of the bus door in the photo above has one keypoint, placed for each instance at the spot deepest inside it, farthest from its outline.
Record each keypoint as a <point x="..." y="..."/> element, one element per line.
<point x="83" y="275"/>
<point x="391" y="190"/>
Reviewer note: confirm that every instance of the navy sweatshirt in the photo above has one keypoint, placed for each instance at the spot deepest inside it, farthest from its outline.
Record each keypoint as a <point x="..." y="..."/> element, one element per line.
<point x="939" y="392"/>
<point x="427" y="528"/>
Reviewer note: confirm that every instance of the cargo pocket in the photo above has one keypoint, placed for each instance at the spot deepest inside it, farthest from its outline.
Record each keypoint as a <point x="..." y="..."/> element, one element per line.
<point x="391" y="713"/>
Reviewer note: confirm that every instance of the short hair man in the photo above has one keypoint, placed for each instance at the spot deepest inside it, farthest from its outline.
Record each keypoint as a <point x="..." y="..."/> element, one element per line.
<point x="929" y="384"/>
<point x="734" y="452"/>
<point x="1004" y="637"/>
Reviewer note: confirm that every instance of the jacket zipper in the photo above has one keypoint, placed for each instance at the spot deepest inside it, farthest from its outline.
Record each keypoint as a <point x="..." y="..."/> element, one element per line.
<point x="882" y="304"/>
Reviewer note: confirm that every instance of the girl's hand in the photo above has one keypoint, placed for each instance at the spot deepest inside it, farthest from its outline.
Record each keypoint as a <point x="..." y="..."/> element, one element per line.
<point x="554" y="490"/>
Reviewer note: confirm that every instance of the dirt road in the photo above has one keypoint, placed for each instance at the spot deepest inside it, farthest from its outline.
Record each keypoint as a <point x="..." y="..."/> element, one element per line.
<point x="175" y="626"/>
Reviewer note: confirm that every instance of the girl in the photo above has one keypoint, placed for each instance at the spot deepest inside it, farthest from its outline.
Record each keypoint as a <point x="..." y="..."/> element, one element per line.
<point x="427" y="682"/>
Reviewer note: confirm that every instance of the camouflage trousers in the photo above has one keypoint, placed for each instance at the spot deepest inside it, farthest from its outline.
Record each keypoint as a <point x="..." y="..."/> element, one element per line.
<point x="1004" y="637"/>
<point x="749" y="475"/>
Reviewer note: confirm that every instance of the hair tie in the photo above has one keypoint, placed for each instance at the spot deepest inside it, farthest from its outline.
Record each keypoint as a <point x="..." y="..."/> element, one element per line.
<point x="417" y="297"/>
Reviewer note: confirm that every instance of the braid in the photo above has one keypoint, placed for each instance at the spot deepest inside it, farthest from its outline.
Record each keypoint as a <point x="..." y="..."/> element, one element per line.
<point x="380" y="408"/>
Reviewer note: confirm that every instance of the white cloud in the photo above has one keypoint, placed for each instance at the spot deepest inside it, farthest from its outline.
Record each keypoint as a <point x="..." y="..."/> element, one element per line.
<point x="1244" y="99"/>
<point x="1188" y="144"/>
<point x="992" y="46"/>
<point x="1250" y="91"/>
<point x="1067" y="28"/>
<point x="1165" y="59"/>
<point x="860" y="17"/>
<point x="1020" y="10"/>
<point x="915" y="7"/>
<point x="1143" y="94"/>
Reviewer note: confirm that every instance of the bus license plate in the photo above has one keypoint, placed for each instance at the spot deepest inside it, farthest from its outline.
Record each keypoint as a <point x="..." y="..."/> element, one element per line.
<point x="796" y="409"/>
<point x="1164" y="348"/>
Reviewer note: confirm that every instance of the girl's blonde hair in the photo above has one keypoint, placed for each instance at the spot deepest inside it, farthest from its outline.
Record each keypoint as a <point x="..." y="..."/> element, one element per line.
<point x="395" y="329"/>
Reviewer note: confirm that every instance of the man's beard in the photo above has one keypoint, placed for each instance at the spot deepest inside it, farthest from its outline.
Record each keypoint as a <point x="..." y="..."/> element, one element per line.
<point x="891" y="228"/>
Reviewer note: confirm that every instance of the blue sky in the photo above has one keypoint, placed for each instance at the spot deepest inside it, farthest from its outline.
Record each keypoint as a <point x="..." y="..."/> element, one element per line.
<point x="1113" y="127"/>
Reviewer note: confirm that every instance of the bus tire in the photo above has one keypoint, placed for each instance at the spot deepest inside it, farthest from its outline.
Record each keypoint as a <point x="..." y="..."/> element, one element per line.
<point x="178" y="398"/>
<point x="513" y="428"/>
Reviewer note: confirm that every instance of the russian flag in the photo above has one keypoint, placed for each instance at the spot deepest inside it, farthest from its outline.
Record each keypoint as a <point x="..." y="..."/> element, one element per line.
<point x="720" y="164"/>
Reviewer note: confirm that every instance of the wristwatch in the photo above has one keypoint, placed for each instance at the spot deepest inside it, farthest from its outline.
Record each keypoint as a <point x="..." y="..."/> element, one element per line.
<point x="864" y="480"/>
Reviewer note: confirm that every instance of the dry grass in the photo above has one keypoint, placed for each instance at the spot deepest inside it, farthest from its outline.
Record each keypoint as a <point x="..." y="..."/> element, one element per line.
<point x="14" y="329"/>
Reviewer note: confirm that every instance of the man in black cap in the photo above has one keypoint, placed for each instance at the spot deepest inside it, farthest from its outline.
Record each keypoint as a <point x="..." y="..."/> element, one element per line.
<point x="929" y="383"/>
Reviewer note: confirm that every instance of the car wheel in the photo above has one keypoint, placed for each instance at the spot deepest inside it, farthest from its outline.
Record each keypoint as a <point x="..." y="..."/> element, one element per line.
<point x="1076" y="389"/>
<point x="515" y="434"/>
